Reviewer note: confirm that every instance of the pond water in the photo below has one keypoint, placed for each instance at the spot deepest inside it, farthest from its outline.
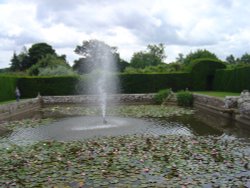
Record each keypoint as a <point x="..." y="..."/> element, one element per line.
<point x="71" y="127"/>
<point x="158" y="147"/>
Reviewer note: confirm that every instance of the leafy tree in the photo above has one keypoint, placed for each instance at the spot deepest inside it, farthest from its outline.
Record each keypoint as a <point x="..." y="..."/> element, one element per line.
<point x="38" y="51"/>
<point x="157" y="50"/>
<point x="121" y="65"/>
<point x="198" y="55"/>
<point x="20" y="62"/>
<point x="180" y="58"/>
<point x="94" y="53"/>
<point x="15" y="63"/>
<point x="230" y="59"/>
<point x="245" y="58"/>
<point x="48" y="61"/>
<point x="161" y="68"/>
<point x="154" y="56"/>
<point x="56" y="71"/>
<point x="82" y="66"/>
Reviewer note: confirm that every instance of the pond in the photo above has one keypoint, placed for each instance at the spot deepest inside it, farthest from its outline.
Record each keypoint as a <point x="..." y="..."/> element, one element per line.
<point x="140" y="146"/>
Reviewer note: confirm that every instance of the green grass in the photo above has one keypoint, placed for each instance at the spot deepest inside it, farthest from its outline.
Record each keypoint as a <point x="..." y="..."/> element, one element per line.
<point x="220" y="94"/>
<point x="6" y="102"/>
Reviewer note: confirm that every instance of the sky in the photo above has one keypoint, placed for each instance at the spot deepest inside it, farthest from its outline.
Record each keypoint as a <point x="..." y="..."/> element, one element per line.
<point x="220" y="26"/>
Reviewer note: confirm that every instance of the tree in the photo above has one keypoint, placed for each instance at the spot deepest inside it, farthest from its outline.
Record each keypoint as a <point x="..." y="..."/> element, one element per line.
<point x="198" y="55"/>
<point x="154" y="56"/>
<point x="38" y="51"/>
<point x="48" y="61"/>
<point x="95" y="55"/>
<point x="180" y="58"/>
<point x="56" y="71"/>
<point x="230" y="59"/>
<point x="21" y="61"/>
<point x="15" y="63"/>
<point x="121" y="65"/>
<point x="157" y="50"/>
<point x="245" y="58"/>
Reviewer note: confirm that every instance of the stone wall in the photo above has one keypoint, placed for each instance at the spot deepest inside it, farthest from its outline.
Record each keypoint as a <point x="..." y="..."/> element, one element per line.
<point x="235" y="108"/>
<point x="15" y="109"/>
<point x="242" y="104"/>
<point x="93" y="99"/>
<point x="211" y="103"/>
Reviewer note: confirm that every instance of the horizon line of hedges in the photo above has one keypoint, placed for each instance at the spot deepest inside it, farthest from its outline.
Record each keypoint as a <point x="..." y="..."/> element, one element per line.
<point x="234" y="80"/>
<point x="72" y="85"/>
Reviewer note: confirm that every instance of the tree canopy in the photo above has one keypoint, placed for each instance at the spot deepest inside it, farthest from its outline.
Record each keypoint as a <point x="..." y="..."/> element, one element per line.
<point x="50" y="61"/>
<point x="153" y="56"/>
<point x="199" y="54"/>
<point x="94" y="53"/>
<point x="39" y="50"/>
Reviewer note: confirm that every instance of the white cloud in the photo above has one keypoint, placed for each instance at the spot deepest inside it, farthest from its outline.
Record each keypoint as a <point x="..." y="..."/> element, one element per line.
<point x="184" y="26"/>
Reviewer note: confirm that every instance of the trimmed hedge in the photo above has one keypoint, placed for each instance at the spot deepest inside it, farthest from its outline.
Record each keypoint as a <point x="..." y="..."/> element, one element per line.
<point x="203" y="71"/>
<point x="235" y="80"/>
<point x="7" y="87"/>
<point x="129" y="83"/>
<point x="152" y="83"/>
<point x="58" y="85"/>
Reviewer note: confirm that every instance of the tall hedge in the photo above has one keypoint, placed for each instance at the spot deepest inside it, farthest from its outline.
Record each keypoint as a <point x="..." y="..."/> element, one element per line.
<point x="149" y="83"/>
<point x="234" y="80"/>
<point x="203" y="72"/>
<point x="58" y="85"/>
<point x="7" y="87"/>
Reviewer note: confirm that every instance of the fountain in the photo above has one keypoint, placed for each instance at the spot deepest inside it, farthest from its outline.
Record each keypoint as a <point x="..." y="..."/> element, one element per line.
<point x="102" y="82"/>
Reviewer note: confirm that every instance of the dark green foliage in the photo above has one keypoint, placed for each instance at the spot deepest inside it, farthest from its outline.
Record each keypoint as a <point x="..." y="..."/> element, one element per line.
<point x="7" y="88"/>
<point x="203" y="71"/>
<point x="150" y="83"/>
<point x="245" y="58"/>
<point x="59" y="85"/>
<point x="47" y="61"/>
<point x="20" y="62"/>
<point x="121" y="65"/>
<point x="154" y="56"/>
<point x="94" y="53"/>
<point x="161" y="95"/>
<point x="231" y="59"/>
<point x="192" y="56"/>
<point x="185" y="98"/>
<point x="234" y="80"/>
<point x="39" y="50"/>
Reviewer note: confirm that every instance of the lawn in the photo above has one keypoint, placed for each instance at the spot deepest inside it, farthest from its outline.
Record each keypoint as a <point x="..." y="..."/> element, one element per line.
<point x="6" y="102"/>
<point x="220" y="94"/>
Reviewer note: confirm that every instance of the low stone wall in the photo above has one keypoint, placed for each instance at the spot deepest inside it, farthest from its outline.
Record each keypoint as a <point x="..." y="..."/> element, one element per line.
<point x="212" y="104"/>
<point x="234" y="108"/>
<point x="16" y="109"/>
<point x="95" y="99"/>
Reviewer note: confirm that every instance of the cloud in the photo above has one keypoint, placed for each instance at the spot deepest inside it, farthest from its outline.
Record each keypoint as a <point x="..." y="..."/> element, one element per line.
<point x="219" y="26"/>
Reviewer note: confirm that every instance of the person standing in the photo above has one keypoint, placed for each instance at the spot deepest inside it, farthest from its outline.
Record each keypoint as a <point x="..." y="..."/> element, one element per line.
<point x="18" y="94"/>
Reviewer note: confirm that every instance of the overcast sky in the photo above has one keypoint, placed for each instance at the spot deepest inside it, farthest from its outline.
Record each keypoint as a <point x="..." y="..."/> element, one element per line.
<point x="221" y="26"/>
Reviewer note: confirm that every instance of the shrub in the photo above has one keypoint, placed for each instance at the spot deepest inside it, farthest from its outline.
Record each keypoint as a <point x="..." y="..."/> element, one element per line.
<point x="185" y="98"/>
<point x="162" y="95"/>
<point x="56" y="71"/>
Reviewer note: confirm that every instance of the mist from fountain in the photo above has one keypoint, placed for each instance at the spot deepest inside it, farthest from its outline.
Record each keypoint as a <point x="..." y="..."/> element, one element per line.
<point x="103" y="82"/>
